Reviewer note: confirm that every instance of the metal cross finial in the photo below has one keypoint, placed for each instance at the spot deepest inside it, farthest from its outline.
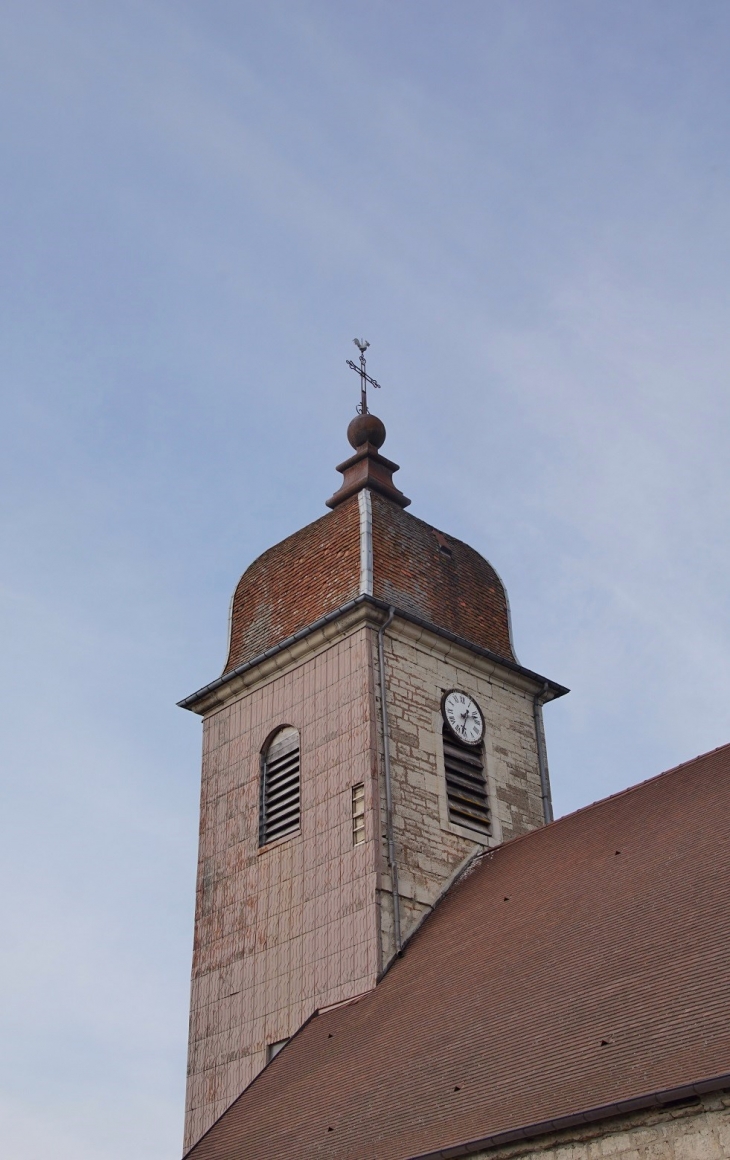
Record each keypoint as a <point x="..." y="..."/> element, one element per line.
<point x="362" y="345"/>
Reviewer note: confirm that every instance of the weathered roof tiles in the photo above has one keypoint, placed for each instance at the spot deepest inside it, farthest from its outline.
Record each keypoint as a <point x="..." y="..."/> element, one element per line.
<point x="581" y="965"/>
<point x="415" y="567"/>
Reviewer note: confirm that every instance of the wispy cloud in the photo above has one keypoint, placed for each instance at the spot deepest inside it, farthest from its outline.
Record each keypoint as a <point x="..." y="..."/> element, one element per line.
<point x="524" y="208"/>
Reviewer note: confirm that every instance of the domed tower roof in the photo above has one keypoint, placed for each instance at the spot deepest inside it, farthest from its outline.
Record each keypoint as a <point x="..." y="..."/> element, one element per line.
<point x="415" y="568"/>
<point x="367" y="549"/>
<point x="368" y="546"/>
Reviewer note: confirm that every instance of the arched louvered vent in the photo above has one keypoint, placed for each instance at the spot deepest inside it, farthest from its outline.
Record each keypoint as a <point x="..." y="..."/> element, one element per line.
<point x="280" y="806"/>
<point x="466" y="785"/>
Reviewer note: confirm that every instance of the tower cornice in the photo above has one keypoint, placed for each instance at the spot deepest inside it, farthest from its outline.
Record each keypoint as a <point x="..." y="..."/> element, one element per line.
<point x="364" y="609"/>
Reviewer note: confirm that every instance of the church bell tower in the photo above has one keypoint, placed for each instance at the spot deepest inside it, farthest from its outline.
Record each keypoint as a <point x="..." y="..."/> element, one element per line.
<point x="371" y="733"/>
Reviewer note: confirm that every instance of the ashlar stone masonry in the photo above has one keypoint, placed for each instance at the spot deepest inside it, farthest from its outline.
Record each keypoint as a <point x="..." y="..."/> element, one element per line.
<point x="698" y="1129"/>
<point x="306" y="922"/>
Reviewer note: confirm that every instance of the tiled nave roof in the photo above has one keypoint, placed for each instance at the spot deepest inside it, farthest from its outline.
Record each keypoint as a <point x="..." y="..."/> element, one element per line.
<point x="583" y="964"/>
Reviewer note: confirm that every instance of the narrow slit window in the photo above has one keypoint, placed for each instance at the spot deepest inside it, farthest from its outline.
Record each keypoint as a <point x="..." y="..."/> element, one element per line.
<point x="466" y="785"/>
<point x="280" y="804"/>
<point x="358" y="814"/>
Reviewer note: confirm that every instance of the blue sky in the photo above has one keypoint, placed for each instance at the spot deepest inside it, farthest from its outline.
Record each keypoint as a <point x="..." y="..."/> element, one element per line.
<point x="523" y="205"/>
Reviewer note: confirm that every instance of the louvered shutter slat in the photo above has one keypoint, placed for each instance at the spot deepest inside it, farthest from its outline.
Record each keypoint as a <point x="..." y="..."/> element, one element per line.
<point x="466" y="786"/>
<point x="280" y="812"/>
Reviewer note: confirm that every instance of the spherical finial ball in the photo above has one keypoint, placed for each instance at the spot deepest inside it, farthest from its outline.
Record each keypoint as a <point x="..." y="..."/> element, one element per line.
<point x="366" y="429"/>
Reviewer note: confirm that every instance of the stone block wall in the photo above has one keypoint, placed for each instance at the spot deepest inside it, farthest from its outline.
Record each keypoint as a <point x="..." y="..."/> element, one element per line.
<point x="293" y="927"/>
<point x="696" y="1129"/>
<point x="306" y="922"/>
<point x="420" y="667"/>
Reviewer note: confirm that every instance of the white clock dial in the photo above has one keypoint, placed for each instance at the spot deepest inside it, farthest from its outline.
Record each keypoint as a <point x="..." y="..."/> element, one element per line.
<point x="463" y="716"/>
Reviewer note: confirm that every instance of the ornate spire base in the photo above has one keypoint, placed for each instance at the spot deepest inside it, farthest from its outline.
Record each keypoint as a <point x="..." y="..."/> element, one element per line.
<point x="368" y="468"/>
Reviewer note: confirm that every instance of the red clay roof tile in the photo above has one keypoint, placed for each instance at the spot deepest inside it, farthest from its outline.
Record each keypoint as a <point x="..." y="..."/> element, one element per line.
<point x="420" y="570"/>
<point x="584" y="963"/>
<point x="317" y="570"/>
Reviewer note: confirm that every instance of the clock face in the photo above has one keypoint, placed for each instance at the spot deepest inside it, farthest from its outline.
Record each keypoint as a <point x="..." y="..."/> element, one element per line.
<point x="463" y="717"/>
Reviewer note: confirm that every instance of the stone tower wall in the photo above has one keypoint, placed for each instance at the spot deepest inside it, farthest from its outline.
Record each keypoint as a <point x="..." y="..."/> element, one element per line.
<point x="420" y="667"/>
<point x="308" y="921"/>
<point x="285" y="930"/>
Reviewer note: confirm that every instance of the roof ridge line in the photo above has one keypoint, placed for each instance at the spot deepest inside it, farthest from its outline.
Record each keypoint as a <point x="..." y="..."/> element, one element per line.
<point x="466" y="867"/>
<point x="258" y="1075"/>
<point x="612" y="796"/>
<point x="472" y="862"/>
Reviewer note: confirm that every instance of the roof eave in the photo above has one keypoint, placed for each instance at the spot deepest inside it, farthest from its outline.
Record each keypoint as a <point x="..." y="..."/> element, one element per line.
<point x="590" y="1115"/>
<point x="194" y="702"/>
